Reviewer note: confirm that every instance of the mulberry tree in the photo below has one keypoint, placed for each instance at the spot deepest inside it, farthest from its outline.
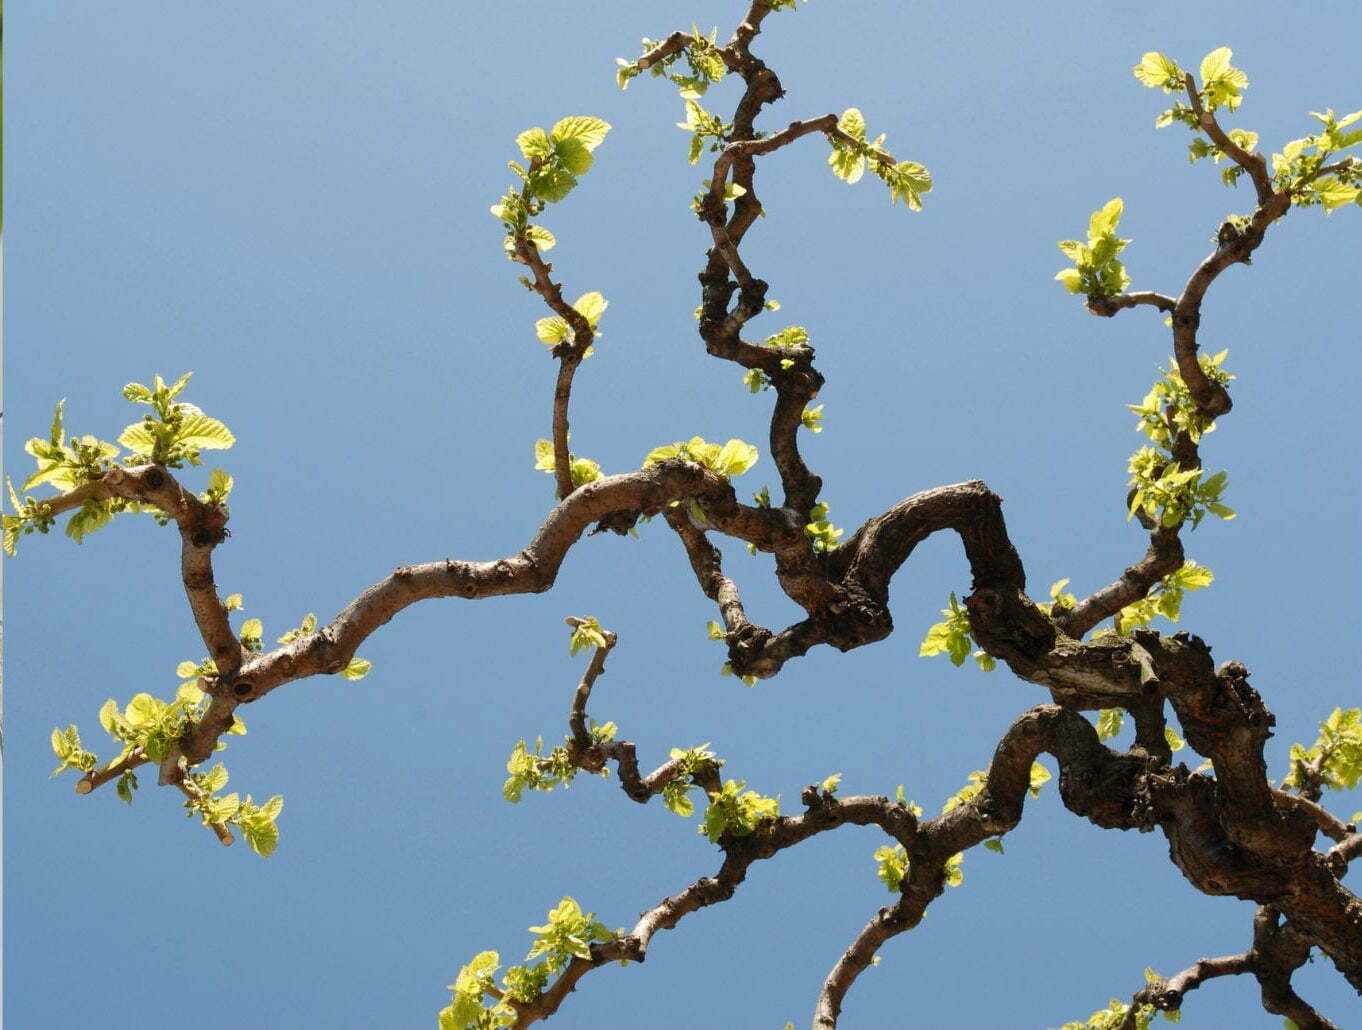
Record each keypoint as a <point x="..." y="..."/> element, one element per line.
<point x="1135" y="726"/>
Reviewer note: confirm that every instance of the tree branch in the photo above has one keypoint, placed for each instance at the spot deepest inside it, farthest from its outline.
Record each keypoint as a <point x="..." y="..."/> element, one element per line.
<point x="1238" y="245"/>
<point x="1165" y="555"/>
<point x="577" y="713"/>
<point x="1254" y="164"/>
<point x="740" y="853"/>
<point x="1278" y="951"/>
<point x="1167" y="994"/>
<point x="202" y="527"/>
<point x="1108" y="306"/>
<point x="96" y="778"/>
<point x="1344" y="852"/>
<point x="569" y="355"/>
<point x="673" y="44"/>
<point x="1329" y="824"/>
<point x="886" y="923"/>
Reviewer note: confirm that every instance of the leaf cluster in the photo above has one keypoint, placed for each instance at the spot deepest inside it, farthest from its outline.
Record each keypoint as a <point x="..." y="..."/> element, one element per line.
<point x="586" y="632"/>
<point x="1115" y="1015"/>
<point x="66" y="745"/>
<point x="790" y="337"/>
<point x="974" y="785"/>
<point x="1169" y="495"/>
<point x="534" y="770"/>
<point x="582" y="470"/>
<point x="736" y="812"/>
<point x="1222" y="84"/>
<point x="1165" y="598"/>
<point x="67" y="461"/>
<point x="556" y="160"/>
<point x="892" y="865"/>
<point x="1169" y="409"/>
<point x="172" y="433"/>
<point x="820" y="530"/>
<point x="852" y="152"/>
<point x="1334" y="760"/>
<point x="555" y="329"/>
<point x="689" y="763"/>
<point x="954" y="637"/>
<point x="567" y="934"/>
<point x="1059" y="597"/>
<point x="702" y="125"/>
<point x="701" y="54"/>
<point x="727" y="460"/>
<point x="1296" y="168"/>
<point x="148" y="727"/>
<point x="1096" y="271"/>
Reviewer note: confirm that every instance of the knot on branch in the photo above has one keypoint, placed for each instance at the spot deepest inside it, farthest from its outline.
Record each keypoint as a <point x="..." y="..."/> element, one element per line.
<point x="712" y="210"/>
<point x="1221" y="711"/>
<point x="747" y="651"/>
<point x="1233" y="677"/>
<point x="1238" y="237"/>
<point x="208" y="537"/>
<point x="816" y="799"/>
<point x="855" y="619"/>
<point x="1101" y="305"/>
<point x="618" y="522"/>
<point x="753" y="296"/>
<point x="1157" y="781"/>
<point x="1214" y="402"/>
<point x="209" y="525"/>
<point x="715" y="291"/>
<point x="803" y="378"/>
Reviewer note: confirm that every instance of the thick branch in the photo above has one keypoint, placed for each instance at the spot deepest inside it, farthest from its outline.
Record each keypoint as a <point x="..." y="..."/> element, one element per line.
<point x="880" y="547"/>
<point x="1278" y="951"/>
<point x="794" y="389"/>
<point x="533" y="570"/>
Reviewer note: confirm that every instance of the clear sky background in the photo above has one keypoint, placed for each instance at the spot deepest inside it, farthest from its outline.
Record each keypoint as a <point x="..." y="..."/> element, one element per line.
<point x="291" y="200"/>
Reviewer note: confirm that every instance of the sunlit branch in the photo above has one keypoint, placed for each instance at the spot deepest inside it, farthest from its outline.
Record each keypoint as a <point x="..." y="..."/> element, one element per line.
<point x="1254" y="164"/>
<point x="569" y="354"/>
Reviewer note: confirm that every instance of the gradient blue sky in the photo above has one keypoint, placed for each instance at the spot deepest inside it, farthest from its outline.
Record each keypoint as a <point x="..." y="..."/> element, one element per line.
<point x="291" y="200"/>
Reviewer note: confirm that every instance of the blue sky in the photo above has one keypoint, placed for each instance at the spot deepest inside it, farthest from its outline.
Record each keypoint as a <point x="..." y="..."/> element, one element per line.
<point x="292" y="201"/>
